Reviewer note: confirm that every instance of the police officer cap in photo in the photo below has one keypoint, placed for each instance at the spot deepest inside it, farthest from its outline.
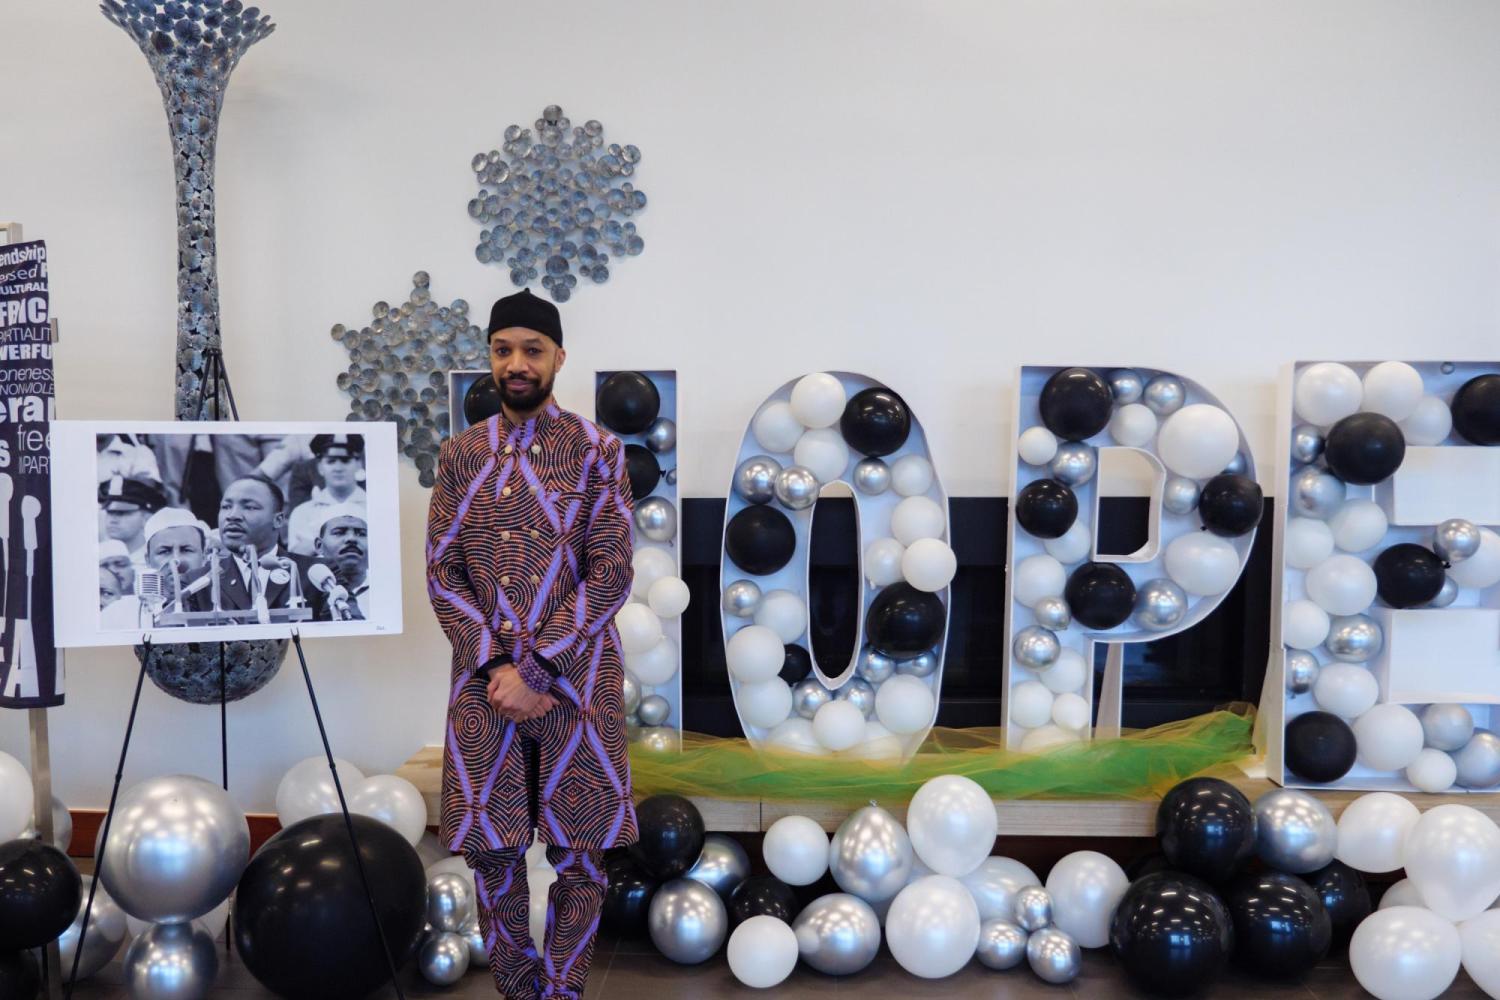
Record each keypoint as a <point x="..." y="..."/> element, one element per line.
<point x="526" y="310"/>
<point x="337" y="446"/>
<point x="125" y="493"/>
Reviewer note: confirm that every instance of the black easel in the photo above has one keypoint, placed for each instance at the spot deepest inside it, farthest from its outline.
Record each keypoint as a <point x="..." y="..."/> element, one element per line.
<point x="217" y="376"/>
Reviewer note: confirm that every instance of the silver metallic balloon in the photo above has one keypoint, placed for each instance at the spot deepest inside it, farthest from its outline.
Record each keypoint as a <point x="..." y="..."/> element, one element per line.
<point x="653" y="710"/>
<point x="808" y="696"/>
<point x="1455" y="540"/>
<point x="1316" y="493"/>
<point x="742" y="598"/>
<point x="1054" y="956"/>
<point x="1446" y="727"/>
<point x="837" y="934"/>
<point x="661" y="436"/>
<point x="755" y="479"/>
<point x="870" y="855"/>
<point x="1159" y="605"/>
<point x="1126" y="386"/>
<point x="660" y="739"/>
<point x="921" y="665"/>
<point x="859" y="693"/>
<point x="670" y="476"/>
<point x="1307" y="444"/>
<point x="107" y="930"/>
<point x="722" y="865"/>
<point x="1294" y="831"/>
<point x="443" y="958"/>
<point x="1447" y="595"/>
<point x="1301" y="671"/>
<point x="1238" y="465"/>
<point x="1179" y="495"/>
<point x="872" y="476"/>
<point x="1164" y="395"/>
<point x="1074" y="463"/>
<point x="796" y="488"/>
<point x="1479" y="761"/>
<point x="450" y="901"/>
<point x="479" y="955"/>
<point x="874" y="667"/>
<point x="176" y="961"/>
<point x="177" y="846"/>
<point x="631" y="688"/>
<point x="687" y="921"/>
<point x="1354" y="638"/>
<point x="1002" y="945"/>
<point x="1036" y="648"/>
<point x="656" y="519"/>
<point x="1052" y="613"/>
<point x="1033" y="908"/>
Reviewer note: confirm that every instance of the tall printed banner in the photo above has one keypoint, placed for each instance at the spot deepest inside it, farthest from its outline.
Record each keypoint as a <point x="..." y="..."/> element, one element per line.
<point x="29" y="674"/>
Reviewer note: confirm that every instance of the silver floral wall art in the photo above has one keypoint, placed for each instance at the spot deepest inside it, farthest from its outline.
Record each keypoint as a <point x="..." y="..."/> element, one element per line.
<point x="556" y="204"/>
<point x="398" y="368"/>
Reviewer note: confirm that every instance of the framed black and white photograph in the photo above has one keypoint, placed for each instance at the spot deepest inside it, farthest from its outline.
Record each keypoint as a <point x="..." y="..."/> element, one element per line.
<point x="205" y="531"/>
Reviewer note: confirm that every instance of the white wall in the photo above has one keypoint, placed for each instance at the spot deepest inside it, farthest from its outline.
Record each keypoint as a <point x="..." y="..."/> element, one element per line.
<point x="929" y="192"/>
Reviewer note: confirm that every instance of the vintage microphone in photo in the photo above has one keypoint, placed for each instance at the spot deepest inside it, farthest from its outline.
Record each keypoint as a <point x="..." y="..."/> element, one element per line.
<point x="23" y="679"/>
<point x="288" y="570"/>
<point x="257" y="592"/>
<point x="322" y="577"/>
<point x="149" y="592"/>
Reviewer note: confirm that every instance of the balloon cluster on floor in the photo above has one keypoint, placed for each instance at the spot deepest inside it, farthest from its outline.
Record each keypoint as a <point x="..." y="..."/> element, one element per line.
<point x="1062" y="595"/>
<point x="39" y="887"/>
<point x="1360" y="703"/>
<point x="307" y="790"/>
<point x="820" y="430"/>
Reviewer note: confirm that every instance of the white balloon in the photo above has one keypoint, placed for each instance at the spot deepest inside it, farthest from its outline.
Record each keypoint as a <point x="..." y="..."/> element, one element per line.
<point x="784" y="613"/>
<point x="307" y="789"/>
<point x="1070" y="711"/>
<point x="765" y="703"/>
<point x="1372" y="832"/>
<point x="1358" y="525"/>
<point x="1347" y="690"/>
<point x="1393" y="388"/>
<point x="904" y="704"/>
<point x="1073" y="545"/>
<point x="639" y="628"/>
<point x="1308" y="542"/>
<point x="951" y="821"/>
<point x="818" y="400"/>
<point x="1342" y="585"/>
<point x="754" y="653"/>
<point x="1037" y="577"/>
<point x="929" y="564"/>
<point x="994" y="885"/>
<point x="539" y="879"/>
<point x="1401" y="893"/>
<point x="1030" y="704"/>
<point x="1198" y="441"/>
<point x="1202" y="563"/>
<point x="932" y="927"/>
<point x="656" y="665"/>
<point x="1133" y="425"/>
<point x="823" y="453"/>
<point x="1085" y="887"/>
<point x="796" y="850"/>
<point x="1043" y="737"/>
<point x="1430" y="423"/>
<point x="395" y="802"/>
<point x="917" y="517"/>
<point x="1453" y="858"/>
<point x="776" y="428"/>
<point x="1327" y="393"/>
<point x="1479" y="940"/>
<point x="882" y="561"/>
<point x="1066" y="674"/>
<point x="1482" y="569"/>
<point x="668" y="597"/>
<point x="1433" y="771"/>
<point x="1036" y="445"/>
<point x="649" y="564"/>
<point x="838" y="725"/>
<point x="1389" y="737"/>
<point x="762" y="951"/>
<point x="1405" y="953"/>
<point x="17" y="798"/>
<point x="1304" y="625"/>
<point x="911" y="475"/>
<point x="879" y="743"/>
<point x="796" y="735"/>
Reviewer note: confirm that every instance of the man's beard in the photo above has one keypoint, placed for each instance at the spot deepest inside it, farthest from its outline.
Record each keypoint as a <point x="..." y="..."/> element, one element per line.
<point x="529" y="398"/>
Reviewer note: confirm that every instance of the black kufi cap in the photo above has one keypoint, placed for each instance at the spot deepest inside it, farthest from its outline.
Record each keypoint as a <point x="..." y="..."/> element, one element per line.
<point x="526" y="310"/>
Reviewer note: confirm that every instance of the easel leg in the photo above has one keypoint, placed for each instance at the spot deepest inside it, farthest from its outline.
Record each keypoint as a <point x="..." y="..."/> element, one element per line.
<point x="224" y="763"/>
<point x="348" y="822"/>
<point x="109" y="815"/>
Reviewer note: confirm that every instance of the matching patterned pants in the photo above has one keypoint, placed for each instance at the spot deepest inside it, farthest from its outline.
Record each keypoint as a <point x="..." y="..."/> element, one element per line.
<point x="573" y="904"/>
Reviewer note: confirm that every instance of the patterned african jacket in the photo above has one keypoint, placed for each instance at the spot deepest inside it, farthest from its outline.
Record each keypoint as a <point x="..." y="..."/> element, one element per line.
<point x="528" y="559"/>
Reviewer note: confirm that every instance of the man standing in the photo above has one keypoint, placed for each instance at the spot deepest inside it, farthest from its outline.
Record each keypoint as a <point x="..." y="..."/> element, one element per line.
<point x="528" y="559"/>
<point x="176" y="550"/>
<point x="341" y="459"/>
<point x="126" y="503"/>
<point x="256" y="572"/>
<point x="343" y="545"/>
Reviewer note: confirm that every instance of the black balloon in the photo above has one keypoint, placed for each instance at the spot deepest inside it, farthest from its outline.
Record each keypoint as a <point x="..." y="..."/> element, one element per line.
<point x="1281" y="927"/>
<point x="1364" y="448"/>
<point x="1476" y="410"/>
<point x="904" y="621"/>
<point x="1231" y="505"/>
<point x="1206" y="828"/>
<point x="1319" y="746"/>
<point x="797" y="664"/>
<point x="1408" y="575"/>
<point x="875" y="422"/>
<point x="628" y="403"/>
<point x="482" y="401"/>
<point x="39" y="893"/>
<point x="1046" y="508"/>
<point x="760" y="540"/>
<point x="1075" y="404"/>
<point x="644" y="470"/>
<point x="20" y="975"/>
<point x="671" y="836"/>
<point x="301" y="918"/>
<point x="762" y="896"/>
<point x="627" y="899"/>
<point x="1345" y="896"/>
<point x="1100" y="595"/>
<point x="1172" y="934"/>
<point x="1147" y="864"/>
